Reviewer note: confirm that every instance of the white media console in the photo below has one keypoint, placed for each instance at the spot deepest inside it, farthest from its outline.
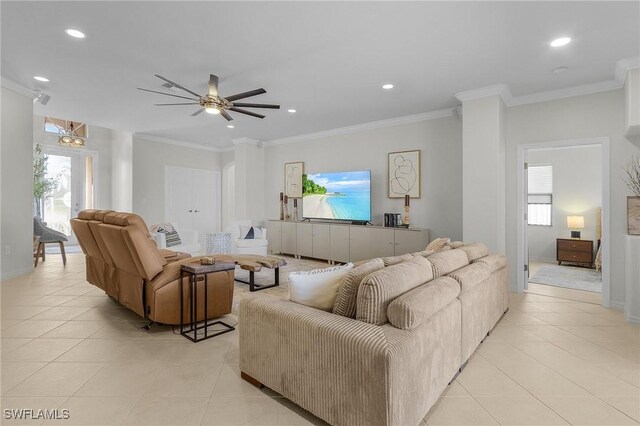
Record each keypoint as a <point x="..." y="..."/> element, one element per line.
<point x="342" y="242"/>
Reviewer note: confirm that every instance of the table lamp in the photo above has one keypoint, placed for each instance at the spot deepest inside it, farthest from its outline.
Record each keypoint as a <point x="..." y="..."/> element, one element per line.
<point x="574" y="223"/>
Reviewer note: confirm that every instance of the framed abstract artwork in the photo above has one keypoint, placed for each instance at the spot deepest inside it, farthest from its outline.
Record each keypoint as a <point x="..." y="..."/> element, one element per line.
<point x="293" y="179"/>
<point x="404" y="174"/>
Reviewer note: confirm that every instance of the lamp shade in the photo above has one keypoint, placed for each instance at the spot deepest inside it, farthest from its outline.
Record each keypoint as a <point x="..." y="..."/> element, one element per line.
<point x="575" y="222"/>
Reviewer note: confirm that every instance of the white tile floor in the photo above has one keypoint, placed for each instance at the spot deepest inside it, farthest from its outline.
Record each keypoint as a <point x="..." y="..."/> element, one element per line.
<point x="66" y="345"/>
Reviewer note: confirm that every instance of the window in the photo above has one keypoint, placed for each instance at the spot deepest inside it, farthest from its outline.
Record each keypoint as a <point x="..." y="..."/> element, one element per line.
<point x="540" y="195"/>
<point x="58" y="126"/>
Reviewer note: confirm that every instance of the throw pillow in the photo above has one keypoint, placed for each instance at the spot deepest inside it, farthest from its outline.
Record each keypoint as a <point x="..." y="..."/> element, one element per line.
<point x="318" y="288"/>
<point x="251" y="233"/>
<point x="437" y="244"/>
<point x="171" y="235"/>
<point x="348" y="292"/>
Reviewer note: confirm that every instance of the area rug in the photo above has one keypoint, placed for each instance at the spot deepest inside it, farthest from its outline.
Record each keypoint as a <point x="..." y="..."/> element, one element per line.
<point x="569" y="277"/>
<point x="266" y="276"/>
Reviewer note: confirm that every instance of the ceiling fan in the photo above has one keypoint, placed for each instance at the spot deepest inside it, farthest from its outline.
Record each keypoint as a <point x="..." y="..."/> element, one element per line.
<point x="212" y="103"/>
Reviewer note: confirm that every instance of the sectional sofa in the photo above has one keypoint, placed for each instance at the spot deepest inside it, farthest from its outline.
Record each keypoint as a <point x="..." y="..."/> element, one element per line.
<point x="417" y="323"/>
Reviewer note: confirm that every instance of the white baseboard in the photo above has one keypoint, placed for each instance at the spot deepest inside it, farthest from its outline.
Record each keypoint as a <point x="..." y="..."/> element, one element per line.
<point x="16" y="273"/>
<point x="617" y="305"/>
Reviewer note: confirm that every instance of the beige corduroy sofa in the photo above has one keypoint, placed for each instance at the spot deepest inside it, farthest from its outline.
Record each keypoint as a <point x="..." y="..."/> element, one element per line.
<point x="390" y="372"/>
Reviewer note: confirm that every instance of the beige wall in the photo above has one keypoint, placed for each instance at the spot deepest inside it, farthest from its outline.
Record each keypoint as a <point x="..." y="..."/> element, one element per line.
<point x="149" y="160"/>
<point x="16" y="176"/>
<point x="440" y="140"/>
<point x="589" y="116"/>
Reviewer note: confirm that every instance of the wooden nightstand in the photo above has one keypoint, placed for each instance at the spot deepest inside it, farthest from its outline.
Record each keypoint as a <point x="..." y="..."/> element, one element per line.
<point x="576" y="251"/>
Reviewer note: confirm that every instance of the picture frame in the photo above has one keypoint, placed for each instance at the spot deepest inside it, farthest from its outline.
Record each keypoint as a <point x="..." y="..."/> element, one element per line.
<point x="293" y="179"/>
<point x="403" y="174"/>
<point x="633" y="215"/>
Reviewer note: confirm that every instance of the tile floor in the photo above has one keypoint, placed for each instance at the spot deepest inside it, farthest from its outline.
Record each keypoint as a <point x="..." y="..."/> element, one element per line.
<point x="66" y="345"/>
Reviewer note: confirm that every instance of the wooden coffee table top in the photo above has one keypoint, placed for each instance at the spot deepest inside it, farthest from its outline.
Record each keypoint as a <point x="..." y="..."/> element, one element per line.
<point x="255" y="263"/>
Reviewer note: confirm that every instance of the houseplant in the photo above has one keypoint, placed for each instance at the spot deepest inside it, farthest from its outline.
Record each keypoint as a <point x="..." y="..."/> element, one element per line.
<point x="43" y="187"/>
<point x="632" y="180"/>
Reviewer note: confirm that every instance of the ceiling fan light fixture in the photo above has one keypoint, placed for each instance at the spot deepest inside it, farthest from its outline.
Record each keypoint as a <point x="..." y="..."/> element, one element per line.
<point x="212" y="110"/>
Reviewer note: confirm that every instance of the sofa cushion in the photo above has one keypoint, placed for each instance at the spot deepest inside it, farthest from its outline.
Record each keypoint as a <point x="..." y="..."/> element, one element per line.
<point x="471" y="275"/>
<point x="437" y="244"/>
<point x="475" y="251"/>
<point x="379" y="289"/>
<point x="318" y="288"/>
<point x="455" y="244"/>
<point x="447" y="261"/>
<point x="394" y="260"/>
<point x="416" y="306"/>
<point x="348" y="293"/>
<point x="87" y="214"/>
<point x="250" y="243"/>
<point x="494" y="261"/>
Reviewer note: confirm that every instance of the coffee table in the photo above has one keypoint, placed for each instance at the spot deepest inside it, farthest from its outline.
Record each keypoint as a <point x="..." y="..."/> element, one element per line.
<point x="255" y="263"/>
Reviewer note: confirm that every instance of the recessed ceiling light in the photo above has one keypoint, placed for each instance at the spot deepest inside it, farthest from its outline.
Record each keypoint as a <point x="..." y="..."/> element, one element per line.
<point x="562" y="41"/>
<point x="387" y="86"/>
<point x="559" y="70"/>
<point x="292" y="111"/>
<point x="41" y="78"/>
<point x="231" y="126"/>
<point x="74" y="33"/>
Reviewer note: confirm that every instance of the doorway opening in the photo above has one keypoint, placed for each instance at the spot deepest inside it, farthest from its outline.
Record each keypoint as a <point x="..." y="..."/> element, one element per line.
<point x="563" y="230"/>
<point x="74" y="172"/>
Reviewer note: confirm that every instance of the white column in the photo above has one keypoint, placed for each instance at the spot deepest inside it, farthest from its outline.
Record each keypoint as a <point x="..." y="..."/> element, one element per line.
<point x="249" y="179"/>
<point x="121" y="171"/>
<point x="632" y="105"/>
<point x="484" y="167"/>
<point x="632" y="285"/>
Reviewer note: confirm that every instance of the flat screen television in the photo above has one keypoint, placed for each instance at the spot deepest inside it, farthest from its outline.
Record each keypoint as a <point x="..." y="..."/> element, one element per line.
<point x="337" y="196"/>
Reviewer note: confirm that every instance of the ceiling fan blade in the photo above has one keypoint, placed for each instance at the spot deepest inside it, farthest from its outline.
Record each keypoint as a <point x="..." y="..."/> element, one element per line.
<point x="197" y="112"/>
<point x="168" y="94"/>
<point x="246" y="105"/>
<point x="245" y="95"/>
<point x="184" y="103"/>
<point x="244" y="111"/>
<point x="213" y="85"/>
<point x="226" y="115"/>
<point x="177" y="85"/>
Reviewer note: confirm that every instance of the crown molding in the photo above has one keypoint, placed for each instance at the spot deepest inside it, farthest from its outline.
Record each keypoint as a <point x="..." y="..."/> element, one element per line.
<point x="501" y="90"/>
<point x="407" y="119"/>
<point x="179" y="143"/>
<point x="569" y="92"/>
<point x="15" y="87"/>
<point x="623" y="66"/>
<point x="243" y="141"/>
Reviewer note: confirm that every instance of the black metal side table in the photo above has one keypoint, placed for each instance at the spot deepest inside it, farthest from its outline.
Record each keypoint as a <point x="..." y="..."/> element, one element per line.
<point x="192" y="271"/>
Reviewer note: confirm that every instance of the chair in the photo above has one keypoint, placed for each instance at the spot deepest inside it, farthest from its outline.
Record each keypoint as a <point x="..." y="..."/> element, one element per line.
<point x="240" y="245"/>
<point x="47" y="235"/>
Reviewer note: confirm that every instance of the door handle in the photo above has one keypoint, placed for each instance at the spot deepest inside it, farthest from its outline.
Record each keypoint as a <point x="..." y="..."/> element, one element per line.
<point x="197" y="211"/>
<point x="190" y="211"/>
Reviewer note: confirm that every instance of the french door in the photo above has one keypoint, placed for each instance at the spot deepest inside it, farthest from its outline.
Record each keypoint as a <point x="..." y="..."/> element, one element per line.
<point x="73" y="172"/>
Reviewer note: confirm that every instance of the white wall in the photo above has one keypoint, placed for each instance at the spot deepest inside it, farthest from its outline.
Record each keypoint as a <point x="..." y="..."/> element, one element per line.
<point x="440" y="140"/>
<point x="149" y="160"/>
<point x="596" y="115"/>
<point x="577" y="191"/>
<point x="16" y="175"/>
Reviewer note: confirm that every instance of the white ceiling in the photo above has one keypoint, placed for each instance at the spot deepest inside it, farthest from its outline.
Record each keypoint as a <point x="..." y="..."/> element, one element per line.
<point x="328" y="60"/>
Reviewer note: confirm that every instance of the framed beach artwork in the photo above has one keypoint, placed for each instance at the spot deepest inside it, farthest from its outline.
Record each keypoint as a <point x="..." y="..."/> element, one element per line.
<point x="293" y="179"/>
<point x="404" y="174"/>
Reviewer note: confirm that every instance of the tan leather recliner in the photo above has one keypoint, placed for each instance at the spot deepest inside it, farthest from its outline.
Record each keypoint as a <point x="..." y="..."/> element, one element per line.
<point x="95" y="263"/>
<point x="145" y="279"/>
